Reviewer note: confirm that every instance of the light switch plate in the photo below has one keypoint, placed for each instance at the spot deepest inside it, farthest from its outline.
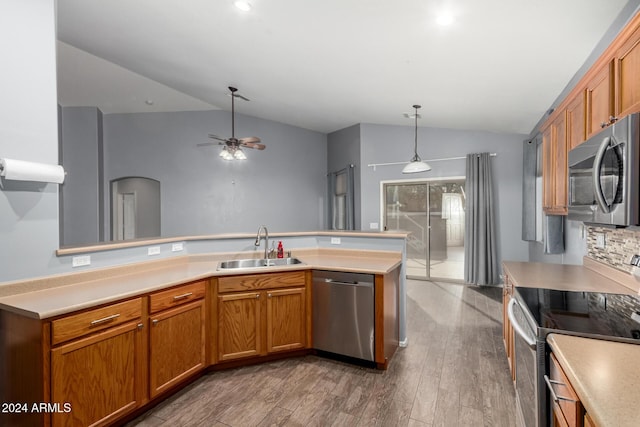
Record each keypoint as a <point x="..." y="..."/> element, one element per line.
<point x="335" y="240"/>
<point x="373" y="225"/>
<point x="82" y="260"/>
<point x="600" y="242"/>
<point x="153" y="250"/>
<point x="177" y="247"/>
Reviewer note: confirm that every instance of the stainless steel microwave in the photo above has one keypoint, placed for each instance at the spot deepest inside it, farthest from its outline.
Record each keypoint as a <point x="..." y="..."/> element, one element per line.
<point x="604" y="177"/>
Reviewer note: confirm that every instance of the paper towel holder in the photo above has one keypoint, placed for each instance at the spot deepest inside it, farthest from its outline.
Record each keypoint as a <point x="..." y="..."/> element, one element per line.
<point x="20" y="170"/>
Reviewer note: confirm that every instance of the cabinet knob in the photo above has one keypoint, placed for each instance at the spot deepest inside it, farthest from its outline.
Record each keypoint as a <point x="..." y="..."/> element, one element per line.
<point x="155" y="322"/>
<point x="257" y="296"/>
<point x="140" y="326"/>
<point x="613" y="119"/>
<point x="603" y="125"/>
<point x="269" y="294"/>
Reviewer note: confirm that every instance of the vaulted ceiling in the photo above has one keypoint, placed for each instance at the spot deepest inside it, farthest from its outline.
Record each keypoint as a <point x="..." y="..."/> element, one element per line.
<point x="324" y="65"/>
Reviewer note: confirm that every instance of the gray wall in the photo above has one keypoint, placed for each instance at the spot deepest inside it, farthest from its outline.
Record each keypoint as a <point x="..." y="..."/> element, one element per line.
<point x="343" y="148"/>
<point x="385" y="144"/>
<point x="81" y="194"/>
<point x="282" y="186"/>
<point x="28" y="131"/>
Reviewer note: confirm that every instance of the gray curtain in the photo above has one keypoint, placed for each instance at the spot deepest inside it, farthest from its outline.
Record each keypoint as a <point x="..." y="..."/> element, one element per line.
<point x="480" y="243"/>
<point x="340" y="199"/>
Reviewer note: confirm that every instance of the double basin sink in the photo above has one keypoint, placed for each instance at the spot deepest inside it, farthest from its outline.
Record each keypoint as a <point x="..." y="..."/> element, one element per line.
<point x="256" y="263"/>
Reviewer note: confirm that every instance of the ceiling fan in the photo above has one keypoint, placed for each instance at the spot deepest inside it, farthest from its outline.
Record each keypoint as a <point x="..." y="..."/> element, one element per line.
<point x="232" y="146"/>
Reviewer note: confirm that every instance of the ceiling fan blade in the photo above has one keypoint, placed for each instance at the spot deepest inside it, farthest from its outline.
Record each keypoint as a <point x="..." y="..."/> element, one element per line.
<point x="235" y="95"/>
<point x="249" y="139"/>
<point x="254" y="145"/>
<point x="212" y="136"/>
<point x="206" y="144"/>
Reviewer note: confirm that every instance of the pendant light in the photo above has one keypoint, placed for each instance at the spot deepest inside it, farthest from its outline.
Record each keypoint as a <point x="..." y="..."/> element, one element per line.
<point x="416" y="164"/>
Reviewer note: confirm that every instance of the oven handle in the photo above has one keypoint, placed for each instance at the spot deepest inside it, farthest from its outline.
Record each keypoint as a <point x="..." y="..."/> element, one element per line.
<point x="595" y="175"/>
<point x="516" y="326"/>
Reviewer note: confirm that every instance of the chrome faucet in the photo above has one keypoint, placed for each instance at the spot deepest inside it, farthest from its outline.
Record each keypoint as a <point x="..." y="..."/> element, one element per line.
<point x="266" y="240"/>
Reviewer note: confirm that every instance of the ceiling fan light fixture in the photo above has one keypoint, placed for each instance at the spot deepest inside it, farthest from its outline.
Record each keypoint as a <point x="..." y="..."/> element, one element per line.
<point x="416" y="164"/>
<point x="239" y="155"/>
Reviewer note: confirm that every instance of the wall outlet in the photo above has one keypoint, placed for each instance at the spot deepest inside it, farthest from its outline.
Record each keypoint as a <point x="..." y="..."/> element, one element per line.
<point x="177" y="247"/>
<point x="153" y="250"/>
<point x="335" y="240"/>
<point x="600" y="242"/>
<point x="373" y="225"/>
<point x="79" y="261"/>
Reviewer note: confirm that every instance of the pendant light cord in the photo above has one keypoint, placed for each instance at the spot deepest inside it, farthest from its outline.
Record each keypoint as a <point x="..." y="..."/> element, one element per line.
<point x="415" y="148"/>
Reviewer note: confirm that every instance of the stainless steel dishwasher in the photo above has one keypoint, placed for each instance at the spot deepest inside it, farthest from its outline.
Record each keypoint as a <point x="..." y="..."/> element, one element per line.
<point x="343" y="313"/>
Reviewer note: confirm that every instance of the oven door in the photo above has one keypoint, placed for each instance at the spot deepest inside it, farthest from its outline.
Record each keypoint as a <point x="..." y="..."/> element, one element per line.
<point x="529" y="355"/>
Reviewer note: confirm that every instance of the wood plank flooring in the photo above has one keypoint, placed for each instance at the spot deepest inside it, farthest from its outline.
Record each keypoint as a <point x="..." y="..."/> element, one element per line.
<point x="453" y="373"/>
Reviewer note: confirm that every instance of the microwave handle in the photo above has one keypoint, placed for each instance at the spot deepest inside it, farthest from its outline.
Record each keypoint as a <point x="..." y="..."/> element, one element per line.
<point x="518" y="327"/>
<point x="595" y="174"/>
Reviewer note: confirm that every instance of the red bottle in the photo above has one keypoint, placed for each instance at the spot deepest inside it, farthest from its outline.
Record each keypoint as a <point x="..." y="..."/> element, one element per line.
<point x="280" y="250"/>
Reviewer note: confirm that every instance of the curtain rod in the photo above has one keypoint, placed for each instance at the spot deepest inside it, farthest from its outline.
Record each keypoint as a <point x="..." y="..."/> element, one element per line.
<point x="373" y="165"/>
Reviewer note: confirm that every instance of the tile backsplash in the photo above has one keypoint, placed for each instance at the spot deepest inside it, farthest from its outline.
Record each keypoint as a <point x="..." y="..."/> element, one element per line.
<point x="620" y="245"/>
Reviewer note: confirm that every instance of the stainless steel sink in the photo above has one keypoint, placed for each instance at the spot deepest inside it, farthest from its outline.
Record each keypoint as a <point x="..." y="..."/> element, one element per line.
<point x="255" y="263"/>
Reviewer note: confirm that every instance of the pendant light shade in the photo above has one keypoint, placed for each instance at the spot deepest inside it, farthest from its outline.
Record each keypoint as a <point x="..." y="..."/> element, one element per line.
<point x="416" y="164"/>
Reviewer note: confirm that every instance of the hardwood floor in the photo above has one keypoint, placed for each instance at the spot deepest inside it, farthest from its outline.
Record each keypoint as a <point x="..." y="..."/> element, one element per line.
<point x="453" y="373"/>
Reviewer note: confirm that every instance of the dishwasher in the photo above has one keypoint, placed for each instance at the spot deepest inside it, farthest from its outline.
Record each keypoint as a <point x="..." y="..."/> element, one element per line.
<point x="343" y="313"/>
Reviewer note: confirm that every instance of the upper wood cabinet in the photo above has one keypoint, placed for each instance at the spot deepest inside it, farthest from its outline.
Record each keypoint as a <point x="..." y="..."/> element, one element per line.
<point x="600" y="94"/>
<point x="576" y="129"/>
<point x="627" y="75"/>
<point x="554" y="166"/>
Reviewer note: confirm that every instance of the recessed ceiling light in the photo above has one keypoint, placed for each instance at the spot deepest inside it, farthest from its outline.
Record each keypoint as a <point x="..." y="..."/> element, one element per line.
<point x="244" y="6"/>
<point x="444" y="19"/>
<point x="149" y="102"/>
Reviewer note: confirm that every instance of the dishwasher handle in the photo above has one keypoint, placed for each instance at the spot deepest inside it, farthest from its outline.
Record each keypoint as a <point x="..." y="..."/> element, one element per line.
<point x="516" y="326"/>
<point x="349" y="283"/>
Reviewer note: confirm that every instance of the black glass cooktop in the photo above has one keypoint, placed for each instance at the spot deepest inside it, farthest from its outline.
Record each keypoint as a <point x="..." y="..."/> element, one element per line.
<point x="589" y="313"/>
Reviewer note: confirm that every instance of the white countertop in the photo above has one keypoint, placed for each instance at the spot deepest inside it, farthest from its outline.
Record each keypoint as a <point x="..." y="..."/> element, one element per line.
<point x="66" y="296"/>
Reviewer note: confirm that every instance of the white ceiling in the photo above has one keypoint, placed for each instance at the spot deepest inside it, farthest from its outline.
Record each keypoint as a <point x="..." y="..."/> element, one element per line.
<point x="328" y="64"/>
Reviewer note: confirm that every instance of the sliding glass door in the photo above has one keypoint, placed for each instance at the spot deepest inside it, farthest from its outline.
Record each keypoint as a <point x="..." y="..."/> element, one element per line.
<point x="433" y="213"/>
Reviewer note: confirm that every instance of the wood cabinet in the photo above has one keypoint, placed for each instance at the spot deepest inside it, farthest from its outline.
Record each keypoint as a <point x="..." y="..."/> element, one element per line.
<point x="262" y="314"/>
<point x="600" y="95"/>
<point x="576" y="130"/>
<point x="564" y="402"/>
<point x="554" y="166"/>
<point x="176" y="336"/>
<point x="99" y="374"/>
<point x="627" y="75"/>
<point x="507" y="329"/>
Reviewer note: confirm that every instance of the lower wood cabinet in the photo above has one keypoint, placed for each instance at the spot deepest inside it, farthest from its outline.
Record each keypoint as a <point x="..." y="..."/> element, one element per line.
<point x="98" y="377"/>
<point x="261" y="314"/>
<point x="507" y="329"/>
<point x="176" y="345"/>
<point x="564" y="402"/>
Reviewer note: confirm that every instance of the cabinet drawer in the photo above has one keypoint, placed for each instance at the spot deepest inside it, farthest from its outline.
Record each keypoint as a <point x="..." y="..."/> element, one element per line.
<point x="80" y="324"/>
<point x="176" y="296"/>
<point x="566" y="400"/>
<point x="260" y="281"/>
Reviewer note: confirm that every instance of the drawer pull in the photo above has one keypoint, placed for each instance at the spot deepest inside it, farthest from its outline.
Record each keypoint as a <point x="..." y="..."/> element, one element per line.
<point x="104" y="319"/>
<point x="183" y="296"/>
<point x="554" y="396"/>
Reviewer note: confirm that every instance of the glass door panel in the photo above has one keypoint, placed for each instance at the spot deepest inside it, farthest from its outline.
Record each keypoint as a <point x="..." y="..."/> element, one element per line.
<point x="433" y="213"/>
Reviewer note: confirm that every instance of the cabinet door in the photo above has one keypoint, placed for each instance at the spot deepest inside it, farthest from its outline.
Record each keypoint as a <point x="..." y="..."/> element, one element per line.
<point x="98" y="376"/>
<point x="600" y="100"/>
<point x="239" y="325"/>
<point x="177" y="340"/>
<point x="628" y="76"/>
<point x="575" y="121"/>
<point x="554" y="166"/>
<point x="286" y="319"/>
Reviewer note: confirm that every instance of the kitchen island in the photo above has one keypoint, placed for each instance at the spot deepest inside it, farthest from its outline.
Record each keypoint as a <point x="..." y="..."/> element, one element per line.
<point x="150" y="328"/>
